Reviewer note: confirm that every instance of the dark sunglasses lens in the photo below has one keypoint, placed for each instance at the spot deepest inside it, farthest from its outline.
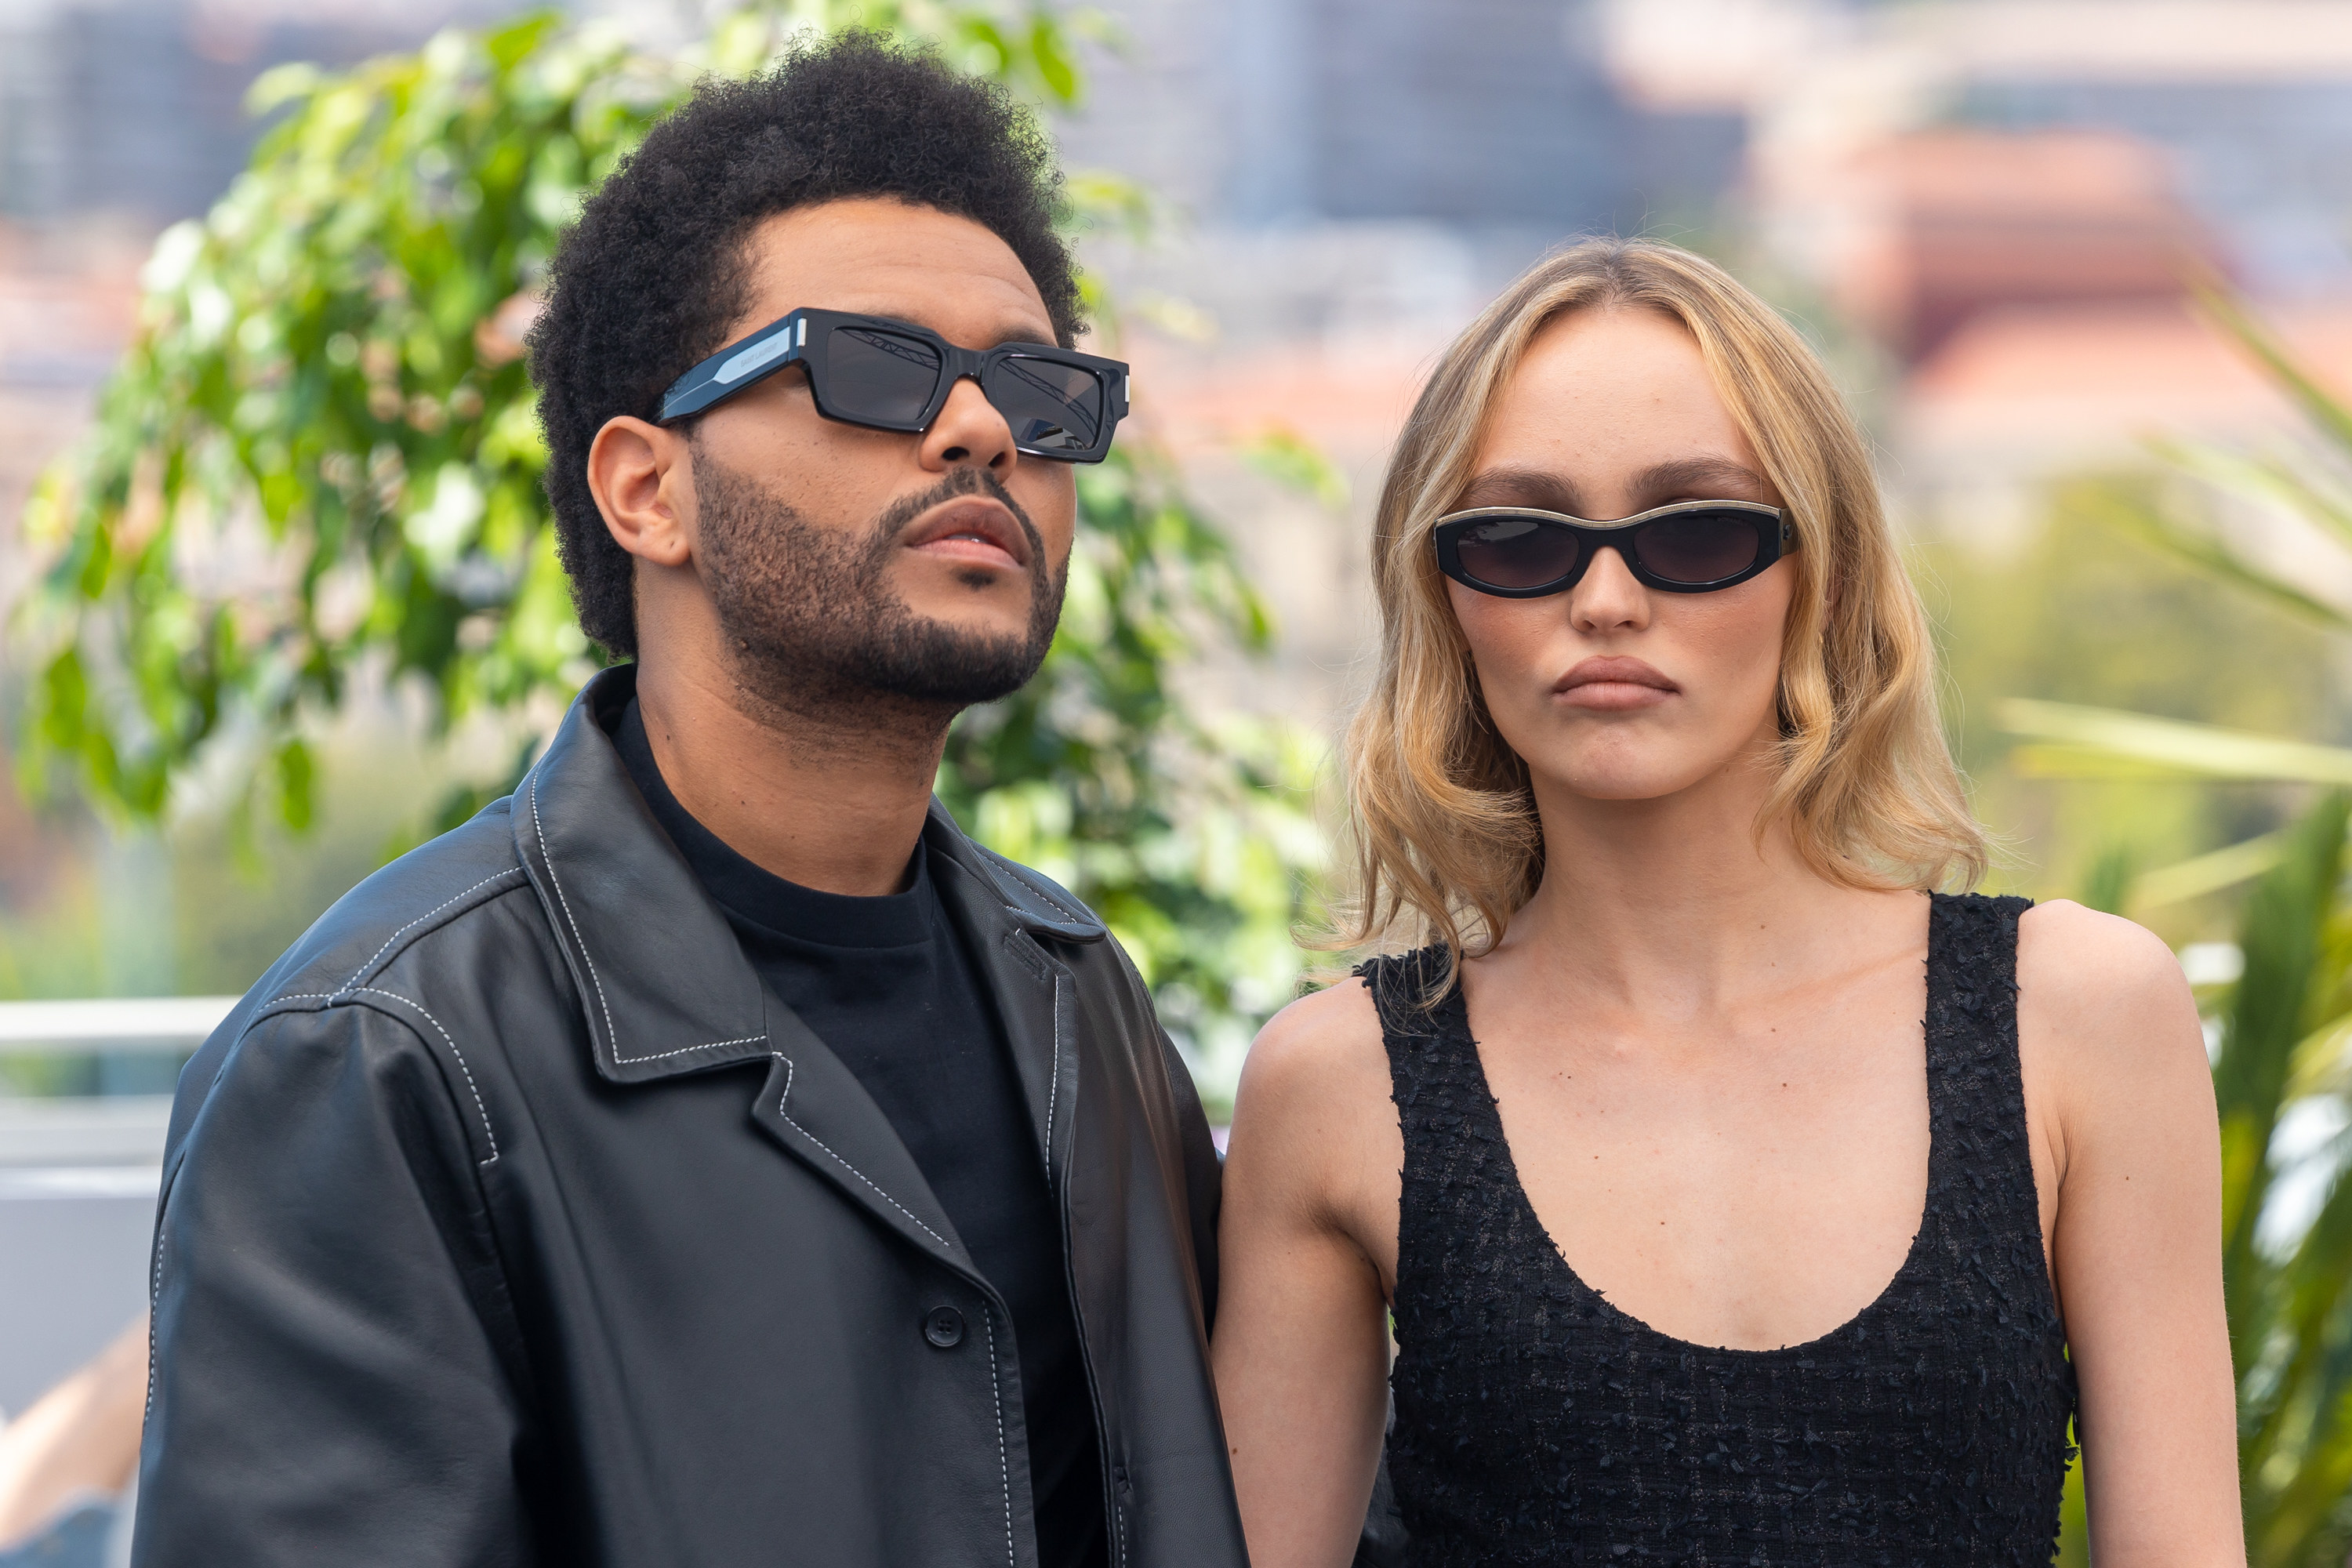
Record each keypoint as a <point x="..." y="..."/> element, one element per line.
<point x="878" y="375"/>
<point x="1516" y="551"/>
<point x="1699" y="546"/>
<point x="1052" y="407"/>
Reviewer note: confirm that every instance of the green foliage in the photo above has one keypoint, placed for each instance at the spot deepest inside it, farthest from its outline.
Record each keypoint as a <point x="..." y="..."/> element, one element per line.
<point x="2284" y="1028"/>
<point x="2103" y="742"/>
<point x="318" y="465"/>
<point x="2314" y="486"/>
<point x="2285" y="1025"/>
<point x="2081" y="617"/>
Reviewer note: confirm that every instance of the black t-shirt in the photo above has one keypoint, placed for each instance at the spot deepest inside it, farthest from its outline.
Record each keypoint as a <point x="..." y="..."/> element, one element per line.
<point x="889" y="984"/>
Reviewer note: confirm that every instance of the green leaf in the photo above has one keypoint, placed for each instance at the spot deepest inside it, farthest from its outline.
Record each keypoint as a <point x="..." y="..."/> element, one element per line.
<point x="1054" y="68"/>
<point x="296" y="775"/>
<point x="2268" y="1016"/>
<point x="2272" y="476"/>
<point x="1289" y="458"/>
<point x="2136" y="741"/>
<point x="2210" y="554"/>
<point x="2209" y="873"/>
<point x="2322" y="408"/>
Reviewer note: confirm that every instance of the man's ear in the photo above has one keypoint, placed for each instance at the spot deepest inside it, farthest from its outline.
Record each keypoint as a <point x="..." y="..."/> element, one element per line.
<point x="643" y="478"/>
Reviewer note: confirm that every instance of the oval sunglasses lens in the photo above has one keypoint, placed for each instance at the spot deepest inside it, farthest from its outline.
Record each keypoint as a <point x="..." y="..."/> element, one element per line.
<point x="1517" y="553"/>
<point x="1699" y="546"/>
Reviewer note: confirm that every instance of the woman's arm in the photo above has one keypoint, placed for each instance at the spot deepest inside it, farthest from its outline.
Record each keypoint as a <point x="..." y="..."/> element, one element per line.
<point x="1301" y="1348"/>
<point x="2106" y="1022"/>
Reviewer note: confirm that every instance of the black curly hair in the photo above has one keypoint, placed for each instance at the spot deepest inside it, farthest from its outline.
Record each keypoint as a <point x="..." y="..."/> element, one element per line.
<point x="653" y="277"/>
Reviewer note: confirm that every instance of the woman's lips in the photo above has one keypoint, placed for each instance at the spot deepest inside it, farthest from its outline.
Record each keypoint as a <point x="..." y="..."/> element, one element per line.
<point x="1614" y="685"/>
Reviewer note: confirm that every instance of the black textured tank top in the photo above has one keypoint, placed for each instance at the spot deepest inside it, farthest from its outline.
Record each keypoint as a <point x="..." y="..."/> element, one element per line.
<point x="1537" y="1424"/>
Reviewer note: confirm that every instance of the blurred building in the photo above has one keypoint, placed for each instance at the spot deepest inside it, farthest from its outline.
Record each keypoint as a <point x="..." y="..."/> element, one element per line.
<point x="1940" y="226"/>
<point x="2010" y="198"/>
<point x="136" y="108"/>
<point x="1478" y="114"/>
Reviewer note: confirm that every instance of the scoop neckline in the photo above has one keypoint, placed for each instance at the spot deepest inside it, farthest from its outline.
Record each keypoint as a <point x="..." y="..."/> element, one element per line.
<point x="1459" y="1003"/>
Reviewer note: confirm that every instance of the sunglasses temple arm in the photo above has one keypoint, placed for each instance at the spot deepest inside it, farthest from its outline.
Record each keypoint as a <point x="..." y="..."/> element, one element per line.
<point x="735" y="367"/>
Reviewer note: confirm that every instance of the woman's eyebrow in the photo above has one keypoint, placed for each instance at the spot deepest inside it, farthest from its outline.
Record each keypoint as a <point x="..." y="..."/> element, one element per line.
<point x="1520" y="486"/>
<point x="1704" y="476"/>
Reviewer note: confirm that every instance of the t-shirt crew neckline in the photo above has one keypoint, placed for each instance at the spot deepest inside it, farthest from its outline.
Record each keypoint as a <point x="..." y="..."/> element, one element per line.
<point x="758" y="895"/>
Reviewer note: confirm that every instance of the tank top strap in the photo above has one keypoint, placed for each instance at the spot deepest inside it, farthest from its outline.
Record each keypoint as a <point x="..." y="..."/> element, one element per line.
<point x="1431" y="1062"/>
<point x="1453" y="1145"/>
<point x="1980" y="1165"/>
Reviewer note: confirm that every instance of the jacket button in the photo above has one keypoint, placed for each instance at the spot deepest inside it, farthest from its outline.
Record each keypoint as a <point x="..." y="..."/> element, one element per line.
<point x="943" y="1326"/>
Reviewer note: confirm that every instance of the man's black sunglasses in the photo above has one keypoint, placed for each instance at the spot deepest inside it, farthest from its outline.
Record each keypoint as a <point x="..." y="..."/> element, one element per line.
<point x="893" y="375"/>
<point x="1690" y="547"/>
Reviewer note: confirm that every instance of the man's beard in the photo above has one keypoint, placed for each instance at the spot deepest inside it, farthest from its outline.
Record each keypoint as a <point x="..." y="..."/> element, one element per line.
<point x="814" y="625"/>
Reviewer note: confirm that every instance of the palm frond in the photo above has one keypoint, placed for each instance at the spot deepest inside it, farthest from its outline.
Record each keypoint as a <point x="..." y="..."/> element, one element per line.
<point x="2209" y="873"/>
<point x="2246" y="474"/>
<point x="2322" y="408"/>
<point x="2137" y="743"/>
<point x="2208" y="554"/>
<point x="2283" y="936"/>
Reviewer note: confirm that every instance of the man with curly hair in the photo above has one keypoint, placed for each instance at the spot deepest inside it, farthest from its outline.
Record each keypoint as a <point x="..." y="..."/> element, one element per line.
<point x="709" y="1155"/>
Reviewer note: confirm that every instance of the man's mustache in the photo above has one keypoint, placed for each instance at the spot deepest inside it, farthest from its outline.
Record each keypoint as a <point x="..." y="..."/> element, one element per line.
<point x="900" y="515"/>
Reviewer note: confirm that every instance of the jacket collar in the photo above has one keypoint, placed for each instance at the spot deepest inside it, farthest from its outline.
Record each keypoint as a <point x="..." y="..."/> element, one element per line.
<point x="663" y="981"/>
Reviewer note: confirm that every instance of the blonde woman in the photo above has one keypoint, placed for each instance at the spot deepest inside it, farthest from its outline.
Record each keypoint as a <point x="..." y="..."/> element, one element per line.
<point x="1705" y="1247"/>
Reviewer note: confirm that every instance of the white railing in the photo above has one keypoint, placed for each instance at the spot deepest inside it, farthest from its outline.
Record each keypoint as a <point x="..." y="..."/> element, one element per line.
<point x="54" y="1143"/>
<point x="110" y="1024"/>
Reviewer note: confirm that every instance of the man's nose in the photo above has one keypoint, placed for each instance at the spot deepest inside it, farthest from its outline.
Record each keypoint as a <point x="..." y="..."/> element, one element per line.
<point x="969" y="432"/>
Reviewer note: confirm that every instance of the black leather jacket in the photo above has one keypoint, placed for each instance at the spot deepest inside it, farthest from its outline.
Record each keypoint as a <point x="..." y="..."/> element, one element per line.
<point x="510" y="1220"/>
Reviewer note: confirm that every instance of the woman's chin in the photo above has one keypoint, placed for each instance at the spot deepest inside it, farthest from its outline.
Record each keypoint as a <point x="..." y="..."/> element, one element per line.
<point x="1632" y="779"/>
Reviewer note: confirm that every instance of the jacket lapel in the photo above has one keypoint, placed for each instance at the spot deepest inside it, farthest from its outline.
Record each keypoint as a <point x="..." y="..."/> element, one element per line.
<point x="665" y="987"/>
<point x="815" y="1108"/>
<point x="663" y="981"/>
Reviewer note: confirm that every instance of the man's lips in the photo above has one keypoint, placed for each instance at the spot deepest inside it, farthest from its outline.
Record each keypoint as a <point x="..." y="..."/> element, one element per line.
<point x="1612" y="685"/>
<point x="974" y="528"/>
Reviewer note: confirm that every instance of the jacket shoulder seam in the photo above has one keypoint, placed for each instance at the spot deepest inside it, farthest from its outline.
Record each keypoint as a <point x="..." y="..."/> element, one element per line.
<point x="489" y="1134"/>
<point x="348" y="997"/>
<point x="383" y="953"/>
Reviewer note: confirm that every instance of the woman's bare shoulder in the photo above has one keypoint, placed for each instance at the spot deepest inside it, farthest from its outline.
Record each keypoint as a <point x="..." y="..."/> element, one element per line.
<point x="1315" y="1134"/>
<point x="2105" y="998"/>
<point x="1326" y="1040"/>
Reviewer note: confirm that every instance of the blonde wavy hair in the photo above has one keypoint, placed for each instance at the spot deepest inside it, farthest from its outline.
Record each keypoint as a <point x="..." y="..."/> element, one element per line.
<point x="1448" y="848"/>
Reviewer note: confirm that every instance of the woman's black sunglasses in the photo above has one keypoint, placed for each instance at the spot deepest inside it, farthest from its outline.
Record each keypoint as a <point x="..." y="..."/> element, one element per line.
<point x="1690" y="547"/>
<point x="892" y="375"/>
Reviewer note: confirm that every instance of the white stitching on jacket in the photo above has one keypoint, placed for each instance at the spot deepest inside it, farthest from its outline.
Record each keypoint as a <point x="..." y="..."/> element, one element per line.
<point x="363" y="969"/>
<point x="612" y="1034"/>
<point x="612" y="1038"/>
<point x="396" y="996"/>
<point x="685" y="1050"/>
<point x="1073" y="915"/>
<point x="902" y="1208"/>
<point x="1003" y="1466"/>
<point x="1053" y="1084"/>
<point x="154" y="1294"/>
